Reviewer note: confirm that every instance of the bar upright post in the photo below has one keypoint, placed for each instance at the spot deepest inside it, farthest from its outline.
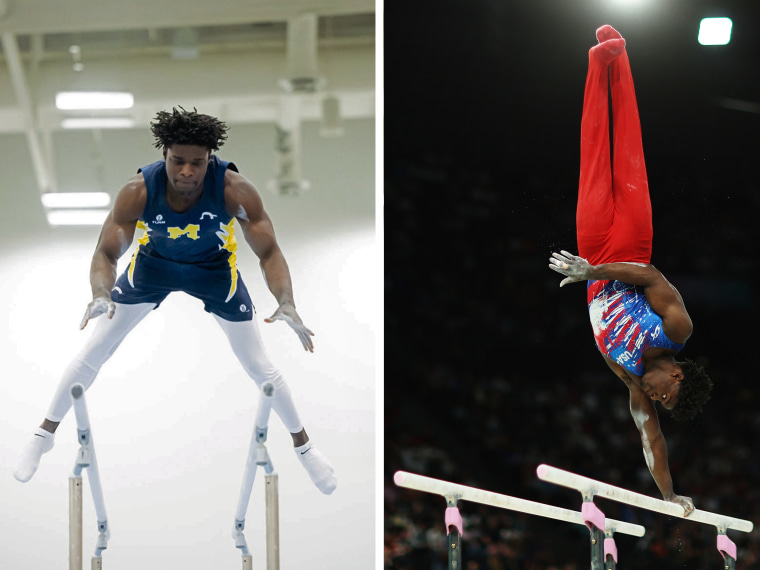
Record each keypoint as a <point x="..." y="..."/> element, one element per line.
<point x="75" y="522"/>
<point x="272" y="501"/>
<point x="596" y="523"/>
<point x="259" y="457"/>
<point x="727" y="549"/>
<point x="87" y="460"/>
<point x="454" y="531"/>
<point x="610" y="551"/>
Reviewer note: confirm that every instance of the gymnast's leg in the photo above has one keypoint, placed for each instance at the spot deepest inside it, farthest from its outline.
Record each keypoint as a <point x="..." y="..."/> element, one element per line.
<point x="247" y="346"/>
<point x="633" y="208"/>
<point x="595" y="209"/>
<point x="103" y="342"/>
<point x="614" y="216"/>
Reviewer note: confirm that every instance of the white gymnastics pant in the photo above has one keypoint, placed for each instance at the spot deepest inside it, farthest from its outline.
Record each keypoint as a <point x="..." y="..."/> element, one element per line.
<point x="243" y="336"/>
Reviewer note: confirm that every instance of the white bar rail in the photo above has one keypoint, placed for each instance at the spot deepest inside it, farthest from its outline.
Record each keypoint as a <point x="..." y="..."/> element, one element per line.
<point x="592" y="487"/>
<point x="472" y="494"/>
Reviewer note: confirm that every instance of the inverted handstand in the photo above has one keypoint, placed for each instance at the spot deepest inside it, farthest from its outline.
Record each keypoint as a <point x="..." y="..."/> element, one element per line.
<point x="638" y="318"/>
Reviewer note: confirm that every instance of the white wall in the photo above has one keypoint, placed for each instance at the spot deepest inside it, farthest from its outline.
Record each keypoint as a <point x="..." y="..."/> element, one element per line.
<point x="172" y="411"/>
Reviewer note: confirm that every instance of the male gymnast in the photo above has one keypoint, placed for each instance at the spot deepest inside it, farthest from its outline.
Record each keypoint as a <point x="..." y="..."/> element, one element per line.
<point x="638" y="318"/>
<point x="188" y="205"/>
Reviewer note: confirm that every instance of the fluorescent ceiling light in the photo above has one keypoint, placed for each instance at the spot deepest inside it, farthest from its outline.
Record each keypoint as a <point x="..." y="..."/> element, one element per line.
<point x="79" y="100"/>
<point x="715" y="31"/>
<point x="97" y="123"/>
<point x="76" y="200"/>
<point x="76" y="217"/>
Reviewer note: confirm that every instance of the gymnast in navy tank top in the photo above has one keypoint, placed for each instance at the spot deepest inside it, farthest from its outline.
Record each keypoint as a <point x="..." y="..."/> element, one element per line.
<point x="202" y="233"/>
<point x="180" y="210"/>
<point x="193" y="251"/>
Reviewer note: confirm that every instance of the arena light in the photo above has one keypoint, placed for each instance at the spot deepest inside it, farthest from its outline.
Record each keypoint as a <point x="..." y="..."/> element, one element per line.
<point x="93" y="100"/>
<point x="631" y="3"/>
<point x="715" y="31"/>
<point x="97" y="123"/>
<point x="76" y="217"/>
<point x="76" y="200"/>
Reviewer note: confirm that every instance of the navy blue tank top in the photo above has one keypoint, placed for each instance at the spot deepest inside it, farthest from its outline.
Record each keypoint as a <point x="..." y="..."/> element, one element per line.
<point x="204" y="233"/>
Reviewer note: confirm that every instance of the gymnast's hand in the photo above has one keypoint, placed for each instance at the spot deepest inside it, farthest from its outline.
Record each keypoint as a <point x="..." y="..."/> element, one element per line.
<point x="287" y="313"/>
<point x="685" y="502"/>
<point x="97" y="307"/>
<point x="574" y="267"/>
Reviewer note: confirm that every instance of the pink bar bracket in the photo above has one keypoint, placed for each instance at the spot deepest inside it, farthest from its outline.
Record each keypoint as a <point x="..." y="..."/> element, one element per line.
<point x="726" y="546"/>
<point x="610" y="548"/>
<point x="454" y="518"/>
<point x="592" y="515"/>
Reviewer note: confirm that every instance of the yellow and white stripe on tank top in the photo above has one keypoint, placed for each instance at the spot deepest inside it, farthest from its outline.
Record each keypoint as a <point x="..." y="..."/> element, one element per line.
<point x="143" y="240"/>
<point x="226" y="234"/>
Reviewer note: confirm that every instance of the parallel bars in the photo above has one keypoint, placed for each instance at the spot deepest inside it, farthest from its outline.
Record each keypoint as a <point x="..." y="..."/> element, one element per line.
<point x="603" y="554"/>
<point x="602" y="542"/>
<point x="258" y="457"/>
<point x="590" y="488"/>
<point x="85" y="460"/>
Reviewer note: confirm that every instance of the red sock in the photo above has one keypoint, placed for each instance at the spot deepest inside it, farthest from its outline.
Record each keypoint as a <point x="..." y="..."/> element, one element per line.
<point x="607" y="51"/>
<point x="607" y="32"/>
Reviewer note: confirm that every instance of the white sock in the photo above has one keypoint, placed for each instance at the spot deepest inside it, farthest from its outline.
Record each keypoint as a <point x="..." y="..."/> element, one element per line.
<point x="318" y="467"/>
<point x="29" y="459"/>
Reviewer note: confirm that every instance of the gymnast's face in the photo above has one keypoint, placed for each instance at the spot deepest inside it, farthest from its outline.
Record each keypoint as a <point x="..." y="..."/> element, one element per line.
<point x="663" y="386"/>
<point x="186" y="168"/>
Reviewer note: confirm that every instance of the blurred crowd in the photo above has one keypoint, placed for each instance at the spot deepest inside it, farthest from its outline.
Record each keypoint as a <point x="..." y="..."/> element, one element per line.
<point x="491" y="369"/>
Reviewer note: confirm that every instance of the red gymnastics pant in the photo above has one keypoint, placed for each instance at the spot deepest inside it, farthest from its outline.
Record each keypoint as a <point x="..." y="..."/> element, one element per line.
<point x="614" y="215"/>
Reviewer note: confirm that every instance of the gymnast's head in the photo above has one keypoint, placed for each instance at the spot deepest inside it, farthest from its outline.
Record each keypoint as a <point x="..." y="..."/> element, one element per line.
<point x="187" y="139"/>
<point x="180" y="127"/>
<point x="694" y="391"/>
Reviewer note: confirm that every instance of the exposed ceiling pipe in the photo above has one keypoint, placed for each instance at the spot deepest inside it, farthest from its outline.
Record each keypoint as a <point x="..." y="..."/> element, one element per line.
<point x="301" y="73"/>
<point x="331" y="124"/>
<point x="42" y="172"/>
<point x="47" y="17"/>
<point x="288" y="149"/>
<point x="301" y="78"/>
<point x="36" y="54"/>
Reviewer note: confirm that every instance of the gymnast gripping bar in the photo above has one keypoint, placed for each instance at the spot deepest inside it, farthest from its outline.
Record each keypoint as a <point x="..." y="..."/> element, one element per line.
<point x="593" y="487"/>
<point x="474" y="495"/>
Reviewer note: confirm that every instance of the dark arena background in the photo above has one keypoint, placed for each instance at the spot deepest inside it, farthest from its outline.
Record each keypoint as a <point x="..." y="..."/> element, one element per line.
<point x="490" y="368"/>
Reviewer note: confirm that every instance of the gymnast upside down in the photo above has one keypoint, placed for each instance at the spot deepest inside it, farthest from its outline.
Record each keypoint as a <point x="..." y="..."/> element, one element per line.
<point x="639" y="319"/>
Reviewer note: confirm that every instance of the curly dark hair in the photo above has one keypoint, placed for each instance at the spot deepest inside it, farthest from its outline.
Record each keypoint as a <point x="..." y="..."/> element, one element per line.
<point x="694" y="392"/>
<point x="188" y="127"/>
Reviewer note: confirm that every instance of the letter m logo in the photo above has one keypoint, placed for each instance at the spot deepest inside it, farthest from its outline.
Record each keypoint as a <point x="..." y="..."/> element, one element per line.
<point x="190" y="230"/>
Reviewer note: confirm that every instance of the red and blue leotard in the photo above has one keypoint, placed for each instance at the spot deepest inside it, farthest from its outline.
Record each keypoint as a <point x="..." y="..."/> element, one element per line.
<point x="614" y="214"/>
<point x="624" y="324"/>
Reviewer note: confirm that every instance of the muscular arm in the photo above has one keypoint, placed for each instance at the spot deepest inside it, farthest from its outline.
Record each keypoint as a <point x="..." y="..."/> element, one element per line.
<point x="115" y="238"/>
<point x="653" y="442"/>
<point x="664" y="299"/>
<point x="244" y="203"/>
